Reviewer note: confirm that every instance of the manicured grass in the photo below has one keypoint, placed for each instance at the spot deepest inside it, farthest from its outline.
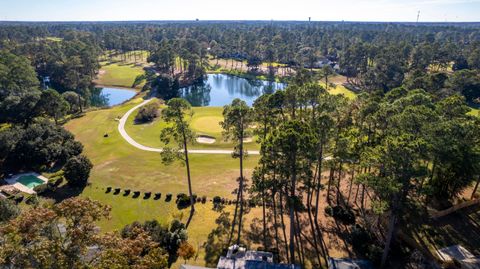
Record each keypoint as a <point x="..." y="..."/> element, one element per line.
<point x="340" y="89"/>
<point x="205" y="121"/>
<point x="475" y="112"/>
<point x="119" y="165"/>
<point x="118" y="74"/>
<point x="53" y="38"/>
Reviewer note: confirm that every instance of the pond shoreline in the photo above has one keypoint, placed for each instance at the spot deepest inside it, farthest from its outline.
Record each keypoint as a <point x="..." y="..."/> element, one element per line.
<point x="117" y="87"/>
<point x="108" y="96"/>
<point x="220" y="89"/>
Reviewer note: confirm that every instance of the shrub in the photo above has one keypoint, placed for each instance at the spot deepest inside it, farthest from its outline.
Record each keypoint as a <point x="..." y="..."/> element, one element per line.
<point x="147" y="113"/>
<point x="109" y="189"/>
<point x="329" y="211"/>
<point x="126" y="193"/>
<point x="217" y="200"/>
<point x="136" y="194"/>
<point x="18" y="198"/>
<point x="147" y="195"/>
<point x="117" y="191"/>
<point x="57" y="181"/>
<point x="41" y="188"/>
<point x="204" y="199"/>
<point x="32" y="200"/>
<point x="168" y="198"/>
<point x="157" y="196"/>
<point x="183" y="200"/>
<point x="8" y="210"/>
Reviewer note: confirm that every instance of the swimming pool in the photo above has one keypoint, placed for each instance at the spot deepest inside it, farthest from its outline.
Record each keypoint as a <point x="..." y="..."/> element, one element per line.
<point x="30" y="181"/>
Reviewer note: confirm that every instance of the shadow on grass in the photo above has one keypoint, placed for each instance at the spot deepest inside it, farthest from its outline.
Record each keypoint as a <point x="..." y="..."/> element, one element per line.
<point x="63" y="192"/>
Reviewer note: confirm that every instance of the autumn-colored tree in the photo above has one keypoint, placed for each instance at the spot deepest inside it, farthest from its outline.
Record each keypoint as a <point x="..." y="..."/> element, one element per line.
<point x="186" y="251"/>
<point x="66" y="236"/>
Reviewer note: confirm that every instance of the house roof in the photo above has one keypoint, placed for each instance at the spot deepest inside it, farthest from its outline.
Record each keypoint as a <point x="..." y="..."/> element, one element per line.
<point x="186" y="266"/>
<point x="456" y="252"/>
<point x="471" y="263"/>
<point x="345" y="263"/>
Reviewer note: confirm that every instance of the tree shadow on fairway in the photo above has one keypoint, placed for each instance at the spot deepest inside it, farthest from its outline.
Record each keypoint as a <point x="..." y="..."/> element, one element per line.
<point x="63" y="192"/>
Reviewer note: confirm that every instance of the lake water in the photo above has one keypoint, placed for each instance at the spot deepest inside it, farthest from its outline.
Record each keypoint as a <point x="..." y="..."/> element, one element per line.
<point x="221" y="89"/>
<point x="111" y="96"/>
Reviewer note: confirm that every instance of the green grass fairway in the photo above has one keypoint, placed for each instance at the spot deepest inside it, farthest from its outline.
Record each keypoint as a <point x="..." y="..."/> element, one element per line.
<point x="207" y="124"/>
<point x="120" y="165"/>
<point x="340" y="89"/>
<point x="205" y="121"/>
<point x="475" y="112"/>
<point x="118" y="74"/>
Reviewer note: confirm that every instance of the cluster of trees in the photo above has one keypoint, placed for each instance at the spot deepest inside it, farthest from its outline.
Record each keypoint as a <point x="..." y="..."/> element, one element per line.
<point x="70" y="64"/>
<point x="147" y="113"/>
<point x="182" y="58"/>
<point x="30" y="137"/>
<point x="65" y="235"/>
<point x="382" y="153"/>
<point x="371" y="55"/>
<point x="400" y="146"/>
<point x="432" y="64"/>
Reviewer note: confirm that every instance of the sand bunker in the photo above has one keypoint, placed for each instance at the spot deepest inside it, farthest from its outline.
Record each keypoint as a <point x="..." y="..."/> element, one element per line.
<point x="247" y="140"/>
<point x="205" y="139"/>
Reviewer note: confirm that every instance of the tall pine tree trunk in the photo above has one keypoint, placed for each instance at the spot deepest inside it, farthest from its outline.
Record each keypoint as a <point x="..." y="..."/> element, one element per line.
<point x="241" y="185"/>
<point x="283" y="227"/>
<point x="187" y="163"/>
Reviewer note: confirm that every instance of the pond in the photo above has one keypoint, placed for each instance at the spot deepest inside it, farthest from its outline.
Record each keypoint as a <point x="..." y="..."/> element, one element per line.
<point x="102" y="97"/>
<point x="221" y="89"/>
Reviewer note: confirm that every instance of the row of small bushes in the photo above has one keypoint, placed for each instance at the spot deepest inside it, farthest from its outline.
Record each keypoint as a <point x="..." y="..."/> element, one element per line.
<point x="182" y="199"/>
<point x="136" y="194"/>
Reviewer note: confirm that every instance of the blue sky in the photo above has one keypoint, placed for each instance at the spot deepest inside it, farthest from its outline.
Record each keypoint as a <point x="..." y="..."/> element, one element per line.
<point x="319" y="10"/>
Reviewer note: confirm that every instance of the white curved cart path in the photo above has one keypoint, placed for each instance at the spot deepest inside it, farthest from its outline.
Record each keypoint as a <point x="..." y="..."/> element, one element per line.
<point x="131" y="141"/>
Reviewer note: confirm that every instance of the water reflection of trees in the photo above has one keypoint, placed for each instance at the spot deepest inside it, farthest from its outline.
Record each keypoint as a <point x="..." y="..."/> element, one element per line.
<point x="197" y="95"/>
<point x="218" y="85"/>
<point x="98" y="99"/>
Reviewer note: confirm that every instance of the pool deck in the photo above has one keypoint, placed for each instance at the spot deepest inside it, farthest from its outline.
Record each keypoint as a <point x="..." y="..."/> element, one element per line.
<point x="12" y="181"/>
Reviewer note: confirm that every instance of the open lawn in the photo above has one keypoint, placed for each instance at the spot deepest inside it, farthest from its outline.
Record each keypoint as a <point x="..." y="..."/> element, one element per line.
<point x="475" y="112"/>
<point x="340" y="89"/>
<point x="119" y="74"/>
<point x="119" y="165"/>
<point x="205" y="121"/>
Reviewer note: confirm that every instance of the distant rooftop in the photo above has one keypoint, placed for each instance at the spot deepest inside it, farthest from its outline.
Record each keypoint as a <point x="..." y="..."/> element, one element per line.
<point x="346" y="263"/>
<point x="240" y="258"/>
